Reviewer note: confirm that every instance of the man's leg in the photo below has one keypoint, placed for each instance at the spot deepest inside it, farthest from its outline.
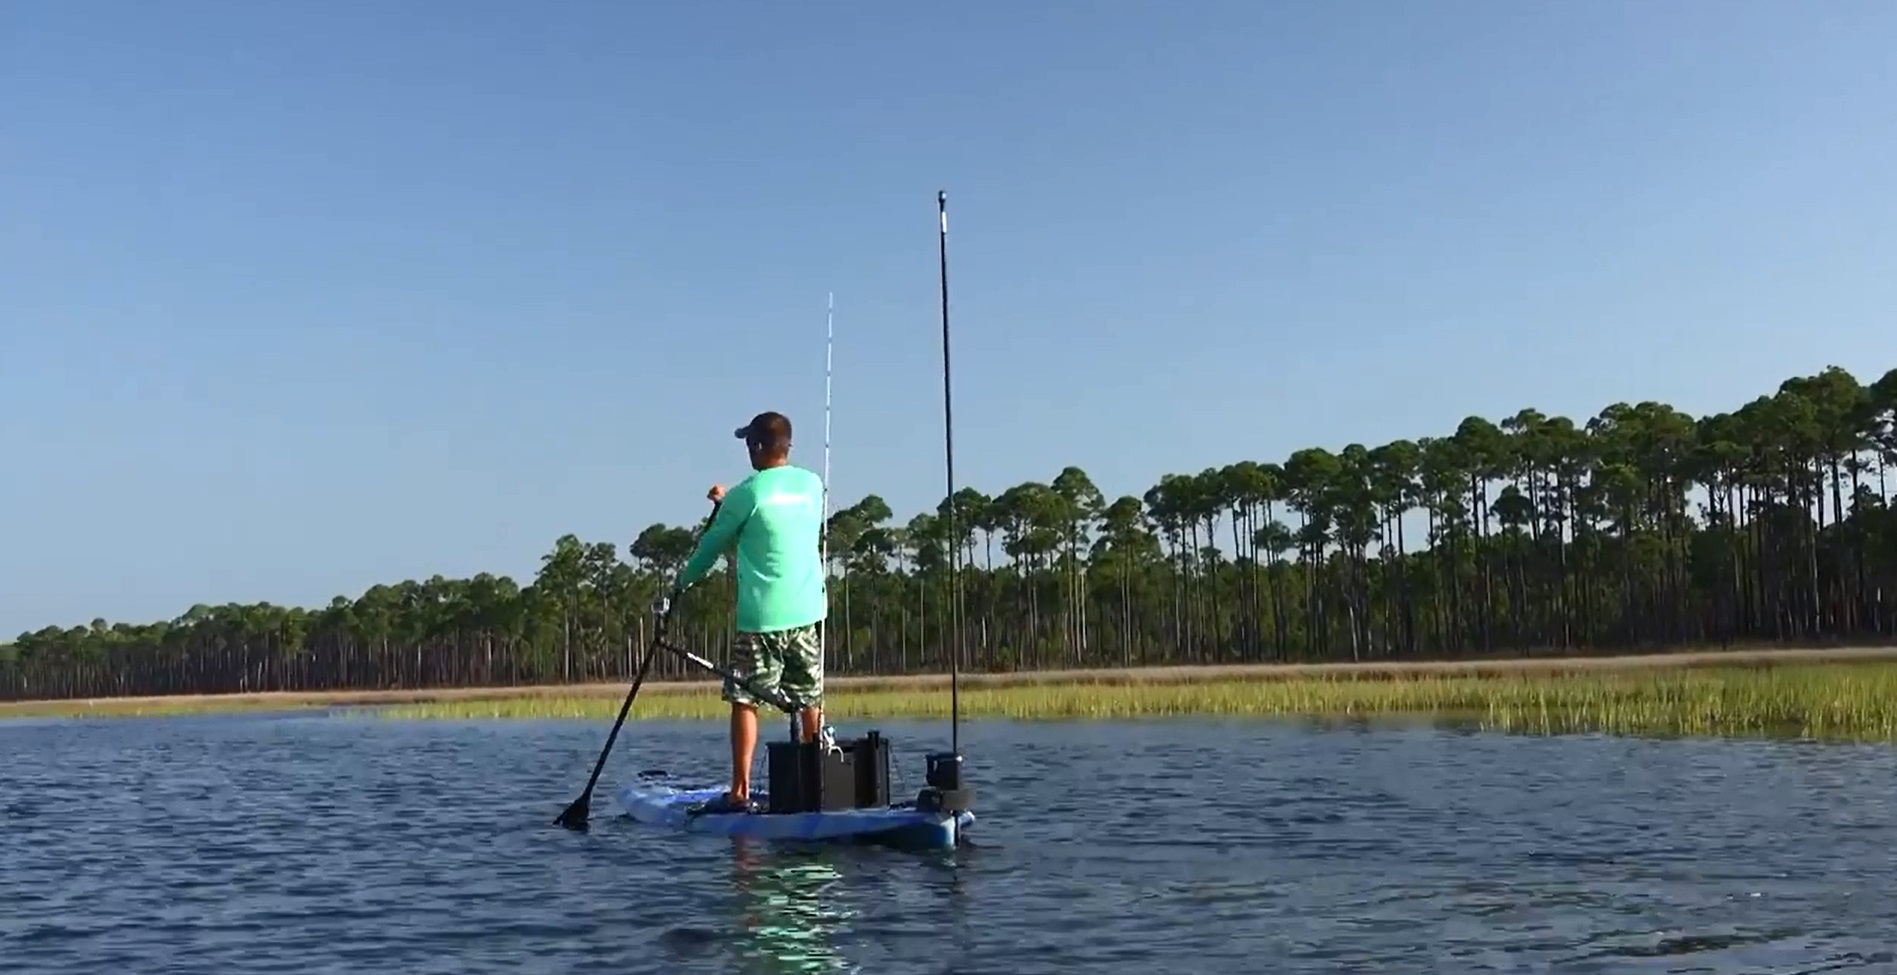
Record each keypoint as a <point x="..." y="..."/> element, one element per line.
<point x="752" y="660"/>
<point x="802" y="679"/>
<point x="743" y="747"/>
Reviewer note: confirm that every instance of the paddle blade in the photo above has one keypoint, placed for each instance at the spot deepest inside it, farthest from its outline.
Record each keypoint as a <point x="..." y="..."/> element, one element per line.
<point x="574" y="816"/>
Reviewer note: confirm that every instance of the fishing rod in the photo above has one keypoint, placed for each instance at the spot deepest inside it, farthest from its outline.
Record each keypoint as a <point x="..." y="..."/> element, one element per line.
<point x="954" y="542"/>
<point x="829" y="333"/>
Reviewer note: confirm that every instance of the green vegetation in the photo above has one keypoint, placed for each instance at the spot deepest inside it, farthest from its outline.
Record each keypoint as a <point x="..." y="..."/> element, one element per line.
<point x="1835" y="701"/>
<point x="108" y="707"/>
<point x="1641" y="527"/>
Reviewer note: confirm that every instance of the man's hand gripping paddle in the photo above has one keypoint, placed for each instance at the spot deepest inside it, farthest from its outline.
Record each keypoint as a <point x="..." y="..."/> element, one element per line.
<point x="574" y="816"/>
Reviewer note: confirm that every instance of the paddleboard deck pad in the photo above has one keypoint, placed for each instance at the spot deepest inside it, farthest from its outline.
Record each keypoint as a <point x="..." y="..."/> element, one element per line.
<point x="652" y="800"/>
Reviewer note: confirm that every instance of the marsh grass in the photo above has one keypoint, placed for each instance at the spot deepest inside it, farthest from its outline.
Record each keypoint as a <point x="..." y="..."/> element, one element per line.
<point x="1827" y="701"/>
<point x="184" y="706"/>
<point x="1840" y="700"/>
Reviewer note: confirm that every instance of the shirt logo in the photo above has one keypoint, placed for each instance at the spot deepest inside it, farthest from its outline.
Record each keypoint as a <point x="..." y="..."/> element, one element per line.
<point x="784" y="497"/>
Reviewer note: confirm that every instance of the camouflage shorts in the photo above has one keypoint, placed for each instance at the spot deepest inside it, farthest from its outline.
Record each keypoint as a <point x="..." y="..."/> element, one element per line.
<point x="787" y="661"/>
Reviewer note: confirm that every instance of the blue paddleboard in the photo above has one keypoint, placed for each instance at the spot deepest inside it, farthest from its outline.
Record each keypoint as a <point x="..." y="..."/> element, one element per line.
<point x="648" y="800"/>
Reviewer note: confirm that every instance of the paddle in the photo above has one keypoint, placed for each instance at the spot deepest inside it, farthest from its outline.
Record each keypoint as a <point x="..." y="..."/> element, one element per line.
<point x="575" y="815"/>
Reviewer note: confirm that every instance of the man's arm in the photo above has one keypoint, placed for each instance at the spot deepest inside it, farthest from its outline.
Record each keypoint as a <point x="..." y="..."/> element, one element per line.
<point x="720" y="535"/>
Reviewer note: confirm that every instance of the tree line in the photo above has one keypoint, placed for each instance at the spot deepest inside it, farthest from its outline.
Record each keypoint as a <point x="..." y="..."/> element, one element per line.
<point x="1641" y="527"/>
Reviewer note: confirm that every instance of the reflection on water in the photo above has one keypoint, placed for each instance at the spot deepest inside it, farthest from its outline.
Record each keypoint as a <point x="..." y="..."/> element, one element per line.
<point x="790" y="909"/>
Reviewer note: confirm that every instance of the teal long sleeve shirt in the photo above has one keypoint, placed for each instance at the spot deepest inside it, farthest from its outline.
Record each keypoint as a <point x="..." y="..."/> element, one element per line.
<point x="776" y="518"/>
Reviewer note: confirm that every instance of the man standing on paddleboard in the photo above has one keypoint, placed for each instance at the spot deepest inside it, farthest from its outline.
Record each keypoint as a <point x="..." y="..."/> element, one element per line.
<point x="772" y="521"/>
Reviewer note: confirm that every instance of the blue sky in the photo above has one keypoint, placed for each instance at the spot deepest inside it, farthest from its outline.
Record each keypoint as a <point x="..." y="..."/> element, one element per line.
<point x="297" y="298"/>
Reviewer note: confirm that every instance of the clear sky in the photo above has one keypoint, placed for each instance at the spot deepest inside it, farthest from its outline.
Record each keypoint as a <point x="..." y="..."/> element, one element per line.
<point x="300" y="297"/>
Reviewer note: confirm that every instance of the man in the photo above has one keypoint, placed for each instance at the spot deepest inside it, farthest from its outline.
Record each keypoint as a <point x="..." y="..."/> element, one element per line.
<point x="773" y="520"/>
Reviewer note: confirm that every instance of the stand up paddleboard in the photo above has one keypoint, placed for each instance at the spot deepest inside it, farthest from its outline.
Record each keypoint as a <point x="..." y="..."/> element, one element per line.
<point x="830" y="789"/>
<point x="654" y="801"/>
<point x="819" y="790"/>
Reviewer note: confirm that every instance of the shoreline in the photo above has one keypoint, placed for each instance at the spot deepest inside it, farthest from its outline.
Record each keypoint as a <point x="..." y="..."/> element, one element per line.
<point x="1547" y="666"/>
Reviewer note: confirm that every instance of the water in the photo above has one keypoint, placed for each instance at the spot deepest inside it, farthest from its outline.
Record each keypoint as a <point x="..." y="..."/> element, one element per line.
<point x="356" y="845"/>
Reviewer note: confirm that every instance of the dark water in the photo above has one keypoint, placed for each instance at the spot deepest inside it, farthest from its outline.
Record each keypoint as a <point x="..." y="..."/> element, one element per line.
<point x="353" y="845"/>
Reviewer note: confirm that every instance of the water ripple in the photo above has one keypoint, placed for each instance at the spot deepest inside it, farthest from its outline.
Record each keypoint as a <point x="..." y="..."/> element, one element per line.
<point x="346" y="845"/>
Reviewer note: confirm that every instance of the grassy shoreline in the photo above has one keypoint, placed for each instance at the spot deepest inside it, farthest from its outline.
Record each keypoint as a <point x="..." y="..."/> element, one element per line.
<point x="1845" y="693"/>
<point x="1832" y="701"/>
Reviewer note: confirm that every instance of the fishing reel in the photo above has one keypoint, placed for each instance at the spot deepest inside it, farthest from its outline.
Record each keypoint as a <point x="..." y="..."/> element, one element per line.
<point x="826" y="736"/>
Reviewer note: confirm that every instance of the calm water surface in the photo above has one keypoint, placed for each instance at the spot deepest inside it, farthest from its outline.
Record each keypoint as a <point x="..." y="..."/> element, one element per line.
<point x="313" y="844"/>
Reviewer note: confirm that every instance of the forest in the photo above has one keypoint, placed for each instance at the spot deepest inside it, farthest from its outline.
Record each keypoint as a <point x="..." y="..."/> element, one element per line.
<point x="1639" y="528"/>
